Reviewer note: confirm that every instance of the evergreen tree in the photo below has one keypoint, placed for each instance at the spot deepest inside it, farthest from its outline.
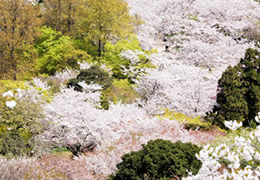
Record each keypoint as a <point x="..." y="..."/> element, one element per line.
<point x="239" y="92"/>
<point x="159" y="159"/>
<point x="250" y="66"/>
<point x="232" y="104"/>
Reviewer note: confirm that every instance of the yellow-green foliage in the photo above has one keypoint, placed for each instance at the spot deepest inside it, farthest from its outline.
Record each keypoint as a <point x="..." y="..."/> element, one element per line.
<point x="6" y="85"/>
<point x="18" y="126"/>
<point x="190" y="122"/>
<point x="113" y="59"/>
<point x="101" y="21"/>
<point x="121" y="91"/>
<point x="112" y="54"/>
<point x="57" y="52"/>
<point x="47" y="96"/>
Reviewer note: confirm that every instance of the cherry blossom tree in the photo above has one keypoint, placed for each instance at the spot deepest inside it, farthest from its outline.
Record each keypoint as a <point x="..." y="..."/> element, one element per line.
<point x="204" y="37"/>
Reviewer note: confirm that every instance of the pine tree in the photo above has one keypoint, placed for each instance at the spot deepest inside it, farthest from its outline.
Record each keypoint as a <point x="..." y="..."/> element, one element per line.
<point x="250" y="66"/>
<point x="232" y="104"/>
<point x="239" y="92"/>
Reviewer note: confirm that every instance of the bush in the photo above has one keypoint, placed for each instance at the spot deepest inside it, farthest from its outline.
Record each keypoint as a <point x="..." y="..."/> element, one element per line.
<point x="159" y="159"/>
<point x="93" y="75"/>
<point x="18" y="127"/>
<point x="239" y="92"/>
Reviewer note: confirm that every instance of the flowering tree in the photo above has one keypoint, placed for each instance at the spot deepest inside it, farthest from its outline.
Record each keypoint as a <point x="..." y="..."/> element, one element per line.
<point x="76" y="122"/>
<point x="208" y="35"/>
<point x="245" y="148"/>
<point x="186" y="89"/>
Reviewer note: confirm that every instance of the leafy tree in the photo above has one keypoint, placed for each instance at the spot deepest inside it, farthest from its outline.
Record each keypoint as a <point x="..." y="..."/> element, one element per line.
<point x="113" y="50"/>
<point x="19" y="20"/>
<point x="56" y="52"/>
<point x="60" y="14"/>
<point x="104" y="20"/>
<point x="159" y="159"/>
<point x="233" y="106"/>
<point x="239" y="93"/>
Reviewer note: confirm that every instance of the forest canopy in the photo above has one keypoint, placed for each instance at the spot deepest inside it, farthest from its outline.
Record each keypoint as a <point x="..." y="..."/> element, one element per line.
<point x="84" y="25"/>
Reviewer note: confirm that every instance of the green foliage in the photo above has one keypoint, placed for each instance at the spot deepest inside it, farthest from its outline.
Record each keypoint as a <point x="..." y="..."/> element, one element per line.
<point x="60" y="15"/>
<point x="93" y="75"/>
<point x="113" y="59"/>
<point x="57" y="52"/>
<point x="28" y="58"/>
<point x="6" y="85"/>
<point x="239" y="92"/>
<point x="159" y="159"/>
<point x="60" y="150"/>
<point x="87" y="46"/>
<point x="103" y="21"/>
<point x="121" y="91"/>
<point x="112" y="54"/>
<point x="250" y="66"/>
<point x="19" y="23"/>
<point x="18" y="127"/>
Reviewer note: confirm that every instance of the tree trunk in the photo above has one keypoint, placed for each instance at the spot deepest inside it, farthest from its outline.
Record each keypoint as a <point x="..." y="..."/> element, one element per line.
<point x="99" y="48"/>
<point x="69" y="17"/>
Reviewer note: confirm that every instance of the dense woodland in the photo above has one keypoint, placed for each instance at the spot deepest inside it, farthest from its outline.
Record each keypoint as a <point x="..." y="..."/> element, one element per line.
<point x="129" y="89"/>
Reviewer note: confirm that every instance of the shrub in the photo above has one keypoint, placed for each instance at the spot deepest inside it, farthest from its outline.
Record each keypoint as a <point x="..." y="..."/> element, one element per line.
<point x="19" y="124"/>
<point x="93" y="75"/>
<point x="159" y="159"/>
<point x="6" y="85"/>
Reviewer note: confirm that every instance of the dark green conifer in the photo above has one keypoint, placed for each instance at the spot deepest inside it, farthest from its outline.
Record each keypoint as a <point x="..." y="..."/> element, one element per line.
<point x="239" y="92"/>
<point x="159" y="159"/>
<point x="250" y="66"/>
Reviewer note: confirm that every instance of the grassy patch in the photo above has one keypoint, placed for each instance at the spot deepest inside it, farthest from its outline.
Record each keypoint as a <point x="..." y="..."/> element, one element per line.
<point x="60" y="151"/>
<point x="193" y="123"/>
